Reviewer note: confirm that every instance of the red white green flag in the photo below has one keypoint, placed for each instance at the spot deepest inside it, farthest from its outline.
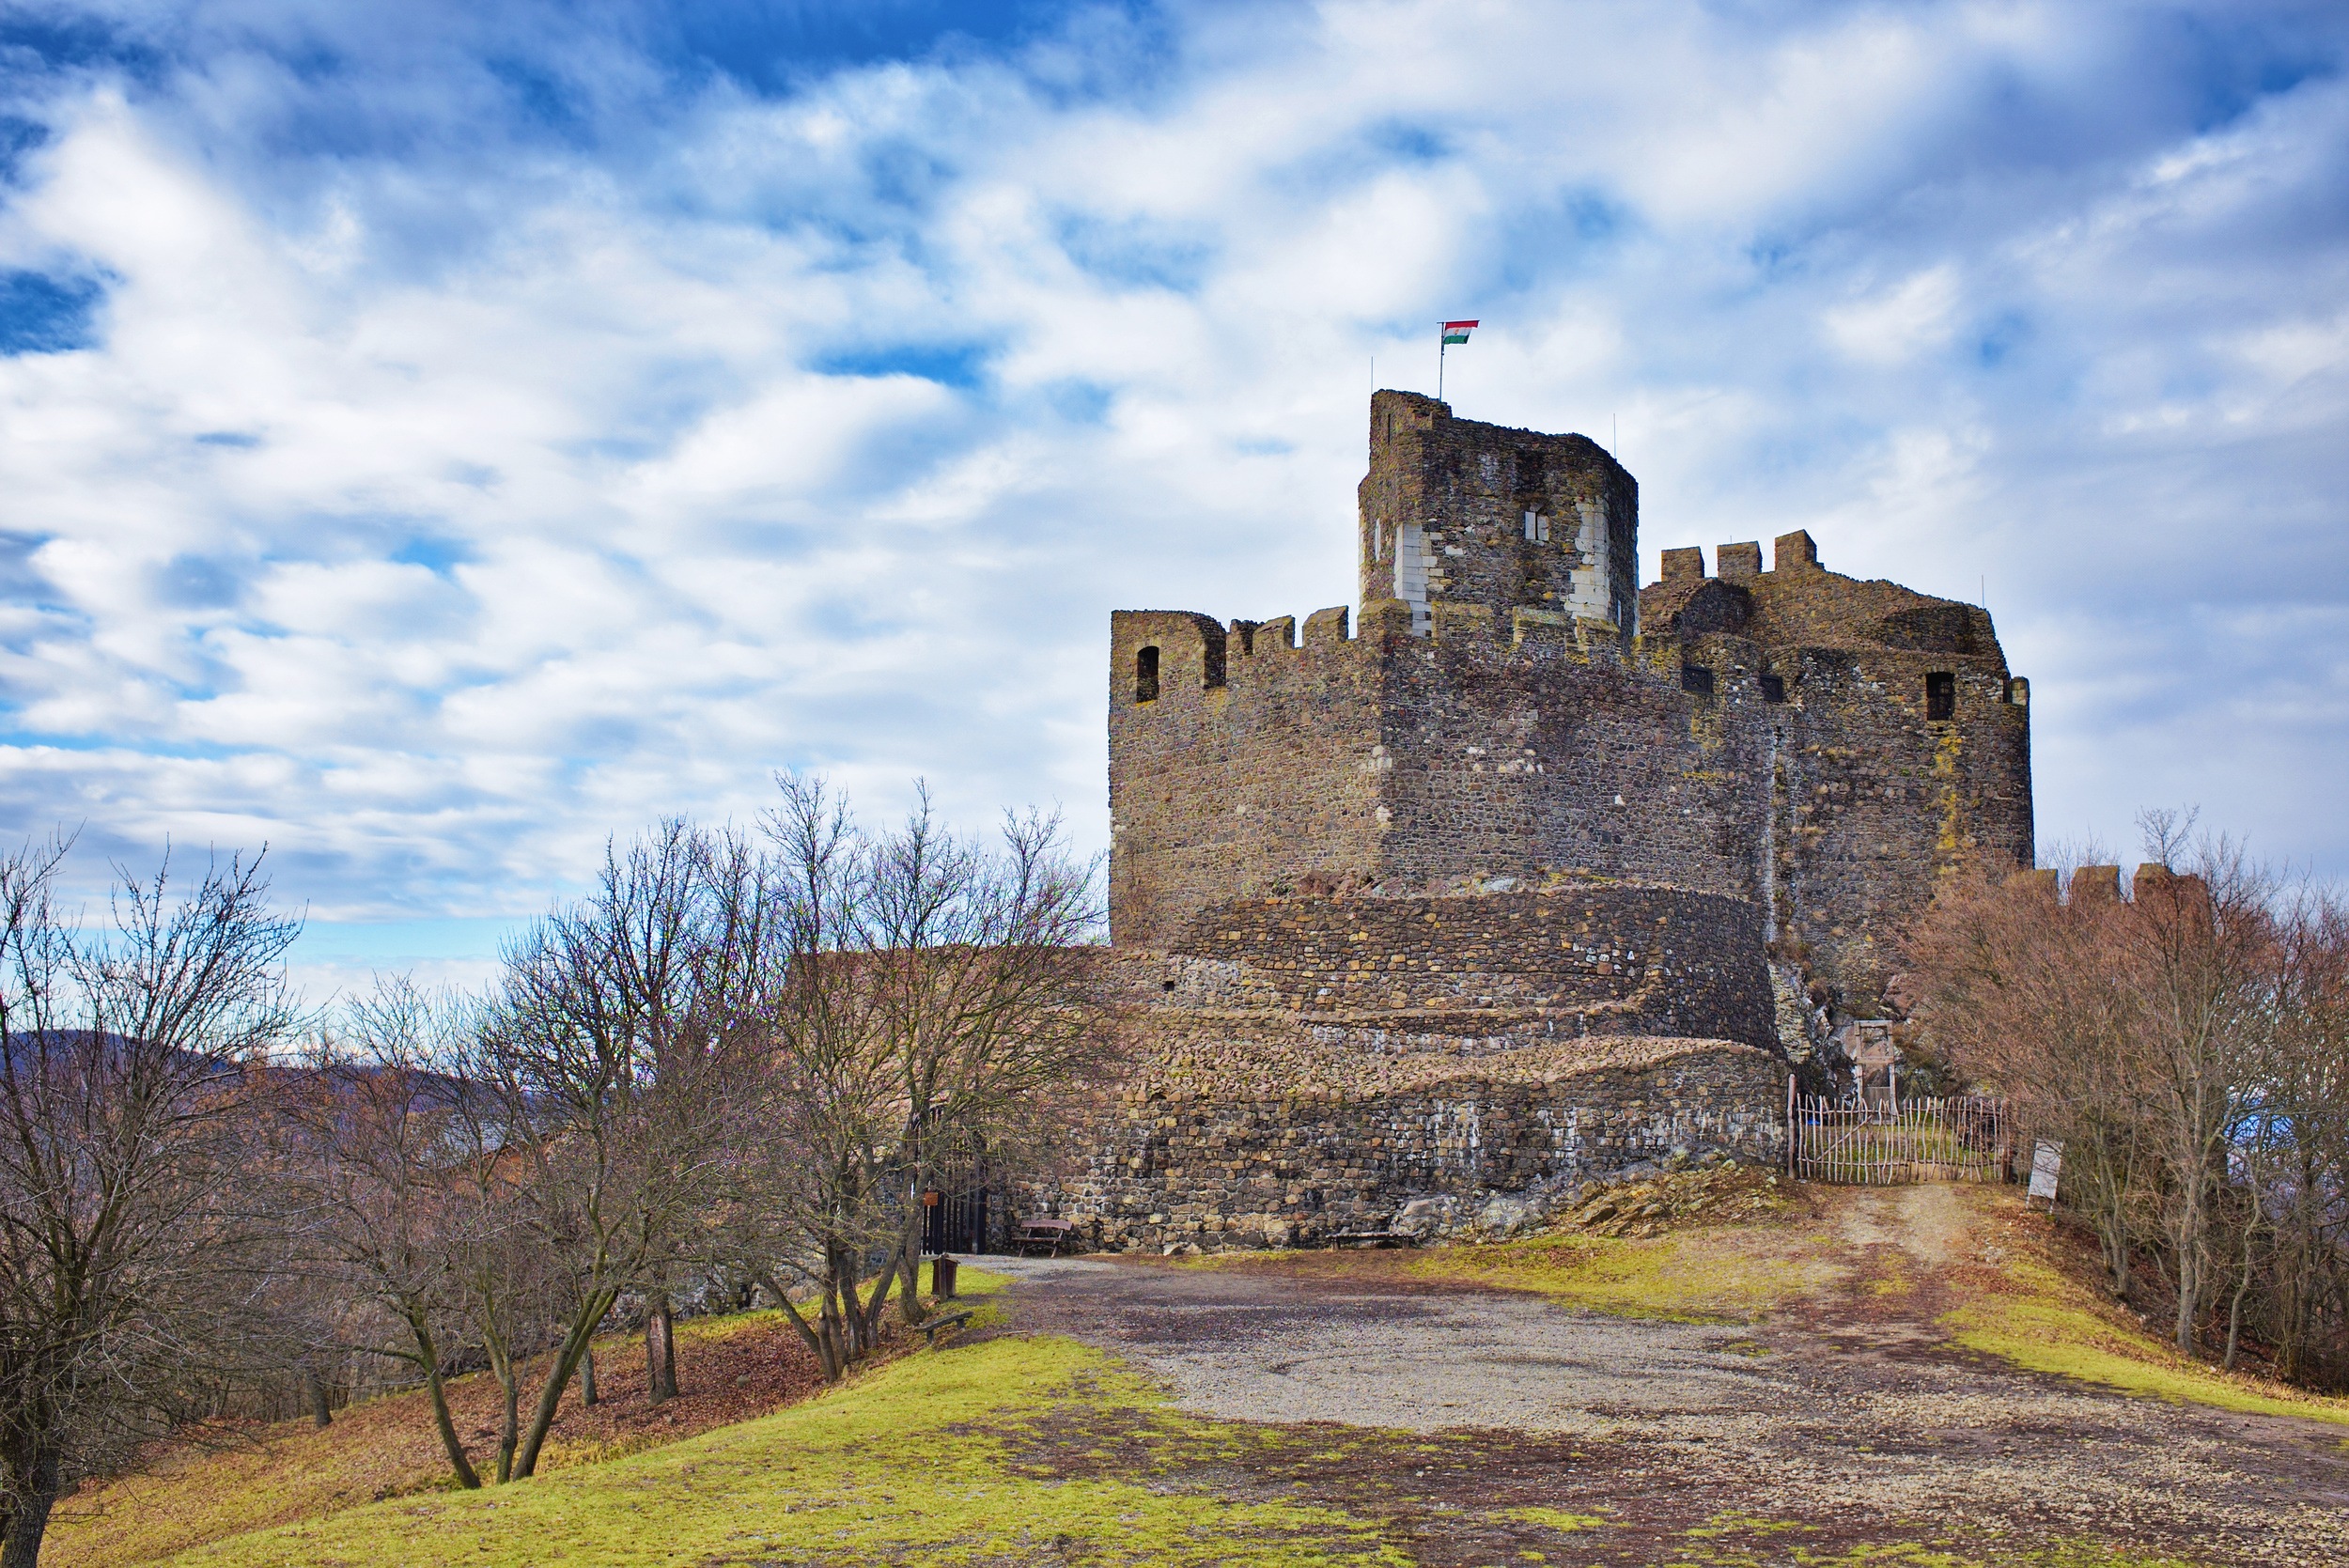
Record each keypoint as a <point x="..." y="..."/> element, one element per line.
<point x="1456" y="332"/>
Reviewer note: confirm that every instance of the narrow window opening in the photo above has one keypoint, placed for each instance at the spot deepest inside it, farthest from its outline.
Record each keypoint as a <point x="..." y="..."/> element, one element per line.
<point x="1537" y="528"/>
<point x="1773" y="688"/>
<point x="1697" y="678"/>
<point x="1940" y="696"/>
<point x="1146" y="674"/>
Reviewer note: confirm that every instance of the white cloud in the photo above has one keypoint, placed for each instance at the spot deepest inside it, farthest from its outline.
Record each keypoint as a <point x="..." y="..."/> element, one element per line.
<point x="1895" y="325"/>
<point x="441" y="500"/>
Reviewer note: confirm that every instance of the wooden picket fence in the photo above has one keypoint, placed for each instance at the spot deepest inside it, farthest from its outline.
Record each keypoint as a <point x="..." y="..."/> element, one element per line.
<point x="1898" y="1143"/>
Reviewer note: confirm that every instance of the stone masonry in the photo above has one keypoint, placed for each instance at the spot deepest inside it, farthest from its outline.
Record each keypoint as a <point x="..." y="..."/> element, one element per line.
<point x="1468" y="904"/>
<point x="1817" y="745"/>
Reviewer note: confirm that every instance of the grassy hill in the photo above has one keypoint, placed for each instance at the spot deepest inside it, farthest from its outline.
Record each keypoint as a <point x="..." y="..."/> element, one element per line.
<point x="1007" y="1449"/>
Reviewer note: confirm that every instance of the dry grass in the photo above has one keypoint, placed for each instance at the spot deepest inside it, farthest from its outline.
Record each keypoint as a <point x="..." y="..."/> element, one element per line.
<point x="2026" y="1297"/>
<point x="730" y="1367"/>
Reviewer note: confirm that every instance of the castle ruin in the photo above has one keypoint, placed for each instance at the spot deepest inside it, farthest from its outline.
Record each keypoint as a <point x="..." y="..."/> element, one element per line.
<point x="1477" y="897"/>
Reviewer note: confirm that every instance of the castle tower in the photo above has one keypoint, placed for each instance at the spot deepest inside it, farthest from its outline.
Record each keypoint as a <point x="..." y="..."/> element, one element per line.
<point x="1512" y="711"/>
<point x="1491" y="521"/>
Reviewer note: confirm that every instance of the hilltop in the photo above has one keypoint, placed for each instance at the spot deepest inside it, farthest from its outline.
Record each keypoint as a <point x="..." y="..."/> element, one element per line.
<point x="1776" y="1374"/>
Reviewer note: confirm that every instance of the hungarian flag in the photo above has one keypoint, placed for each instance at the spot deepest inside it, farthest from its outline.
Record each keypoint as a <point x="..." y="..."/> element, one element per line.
<point x="1456" y="332"/>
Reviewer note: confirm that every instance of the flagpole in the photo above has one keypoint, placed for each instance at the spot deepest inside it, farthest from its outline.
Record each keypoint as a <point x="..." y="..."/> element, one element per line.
<point x="1443" y="345"/>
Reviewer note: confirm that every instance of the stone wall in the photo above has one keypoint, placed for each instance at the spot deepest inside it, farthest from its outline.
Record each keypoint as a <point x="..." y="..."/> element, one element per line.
<point x="1185" y="1163"/>
<point x="1871" y="791"/>
<point x="1522" y="752"/>
<point x="1248" y="769"/>
<point x="1809" y="782"/>
<point x="1513" y="965"/>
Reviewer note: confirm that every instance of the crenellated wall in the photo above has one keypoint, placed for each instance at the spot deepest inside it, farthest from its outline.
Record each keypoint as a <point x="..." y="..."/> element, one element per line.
<point x="1472" y="898"/>
<point x="1765" y="735"/>
<point x="1252" y="768"/>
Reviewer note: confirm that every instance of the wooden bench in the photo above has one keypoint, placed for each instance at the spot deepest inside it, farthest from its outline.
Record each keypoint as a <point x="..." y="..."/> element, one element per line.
<point x="1370" y="1238"/>
<point x="932" y="1326"/>
<point x="1049" y="1234"/>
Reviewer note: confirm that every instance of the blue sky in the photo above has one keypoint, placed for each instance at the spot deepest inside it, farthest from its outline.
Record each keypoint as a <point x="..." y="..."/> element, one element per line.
<point x="438" y="437"/>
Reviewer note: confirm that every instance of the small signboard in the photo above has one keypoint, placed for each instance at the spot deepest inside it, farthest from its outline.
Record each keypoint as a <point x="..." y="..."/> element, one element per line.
<point x="2047" y="1163"/>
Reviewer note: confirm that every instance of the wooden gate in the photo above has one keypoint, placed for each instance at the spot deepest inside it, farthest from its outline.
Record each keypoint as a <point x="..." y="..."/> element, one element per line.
<point x="957" y="1206"/>
<point x="1961" y="1139"/>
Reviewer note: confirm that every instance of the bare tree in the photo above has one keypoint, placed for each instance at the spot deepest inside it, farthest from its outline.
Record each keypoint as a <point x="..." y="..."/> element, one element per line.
<point x="812" y="1204"/>
<point x="376" y="1173"/>
<point x="985" y="993"/>
<point x="911" y="983"/>
<point x="134" y="1254"/>
<point x="604" y="1047"/>
<point x="2193" y="956"/>
<point x="2185" y="1044"/>
<point x="2014" y="993"/>
<point x="2296" y="1151"/>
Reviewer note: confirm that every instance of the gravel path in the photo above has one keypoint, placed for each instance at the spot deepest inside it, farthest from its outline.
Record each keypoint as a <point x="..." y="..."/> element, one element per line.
<point x="1849" y="1424"/>
<point x="1238" y="1345"/>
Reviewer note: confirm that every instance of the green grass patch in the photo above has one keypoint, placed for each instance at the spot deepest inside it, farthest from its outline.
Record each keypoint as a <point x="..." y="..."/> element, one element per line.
<point x="386" y="1450"/>
<point x="2048" y="1322"/>
<point x="1724" y="1275"/>
<point x="921" y="1460"/>
<point x="1558" y="1519"/>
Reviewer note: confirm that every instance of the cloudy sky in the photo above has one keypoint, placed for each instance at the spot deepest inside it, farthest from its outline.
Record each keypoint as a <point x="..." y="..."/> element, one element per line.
<point x="439" y="436"/>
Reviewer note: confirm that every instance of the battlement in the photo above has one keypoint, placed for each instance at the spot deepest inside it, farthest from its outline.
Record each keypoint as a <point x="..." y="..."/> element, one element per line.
<point x="1508" y="706"/>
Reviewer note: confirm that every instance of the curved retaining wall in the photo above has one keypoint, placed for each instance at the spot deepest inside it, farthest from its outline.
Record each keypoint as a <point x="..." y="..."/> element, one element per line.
<point x="1576" y="959"/>
<point x="1223" y="1171"/>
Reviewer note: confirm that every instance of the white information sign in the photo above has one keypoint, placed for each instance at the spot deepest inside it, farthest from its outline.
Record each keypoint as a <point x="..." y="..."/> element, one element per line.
<point x="2047" y="1163"/>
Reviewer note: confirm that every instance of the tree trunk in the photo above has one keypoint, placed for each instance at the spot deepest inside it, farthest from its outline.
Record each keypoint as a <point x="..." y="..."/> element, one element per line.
<point x="660" y="1348"/>
<point x="587" y="1396"/>
<point x="2243" y="1285"/>
<point x="2187" y="1237"/>
<point x="451" y="1444"/>
<point x="429" y="1354"/>
<point x="567" y="1359"/>
<point x="314" y="1389"/>
<point x="37" y="1485"/>
<point x="909" y="1264"/>
<point x="814" y="1341"/>
<point x="510" y="1423"/>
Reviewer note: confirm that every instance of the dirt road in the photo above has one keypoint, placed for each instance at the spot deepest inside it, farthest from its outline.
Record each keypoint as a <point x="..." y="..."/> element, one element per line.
<point x="1791" y="1441"/>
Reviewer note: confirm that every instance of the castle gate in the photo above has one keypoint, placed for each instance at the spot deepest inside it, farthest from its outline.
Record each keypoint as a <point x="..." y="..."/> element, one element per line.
<point x="1898" y="1141"/>
<point x="959" y="1206"/>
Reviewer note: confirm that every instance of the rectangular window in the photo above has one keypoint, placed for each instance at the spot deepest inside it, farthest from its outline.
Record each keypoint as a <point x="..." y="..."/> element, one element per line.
<point x="1146" y="674"/>
<point x="1773" y="688"/>
<point x="1697" y="678"/>
<point x="1940" y="696"/>
<point x="1537" y="528"/>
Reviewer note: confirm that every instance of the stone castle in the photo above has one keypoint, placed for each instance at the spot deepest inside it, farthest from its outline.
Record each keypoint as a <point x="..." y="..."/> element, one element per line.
<point x="1530" y="875"/>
